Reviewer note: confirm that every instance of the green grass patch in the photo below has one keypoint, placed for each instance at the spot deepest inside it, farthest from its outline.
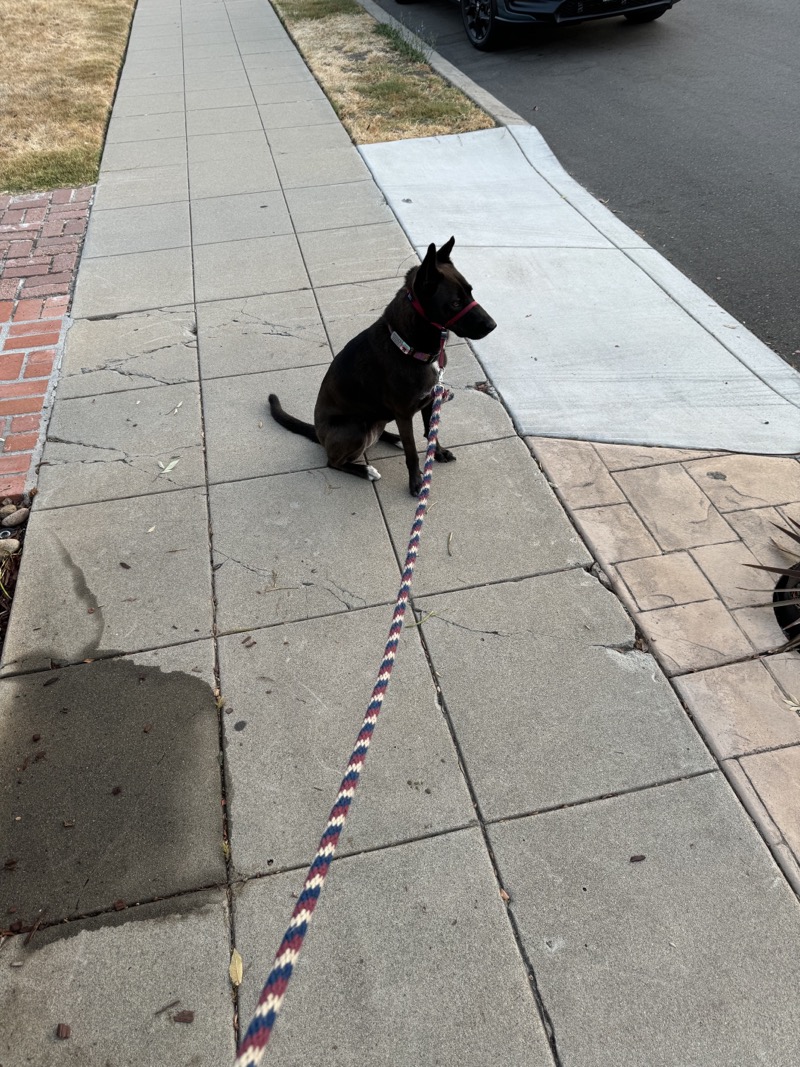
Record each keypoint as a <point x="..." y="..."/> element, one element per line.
<point x="68" y="167"/>
<point x="318" y="9"/>
<point x="400" y="43"/>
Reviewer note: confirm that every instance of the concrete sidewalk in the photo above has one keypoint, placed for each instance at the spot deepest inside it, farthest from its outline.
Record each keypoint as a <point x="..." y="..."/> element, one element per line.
<point x="545" y="866"/>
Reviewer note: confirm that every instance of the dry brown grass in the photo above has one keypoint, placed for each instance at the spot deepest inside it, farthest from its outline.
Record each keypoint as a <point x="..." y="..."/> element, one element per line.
<point x="381" y="88"/>
<point x="59" y="61"/>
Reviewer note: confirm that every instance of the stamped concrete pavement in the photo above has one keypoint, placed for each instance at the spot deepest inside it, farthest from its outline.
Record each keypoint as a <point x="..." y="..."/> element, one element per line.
<point x="546" y="865"/>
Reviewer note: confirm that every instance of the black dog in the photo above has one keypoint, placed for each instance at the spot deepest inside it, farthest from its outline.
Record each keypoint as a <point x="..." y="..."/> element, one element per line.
<point x="388" y="372"/>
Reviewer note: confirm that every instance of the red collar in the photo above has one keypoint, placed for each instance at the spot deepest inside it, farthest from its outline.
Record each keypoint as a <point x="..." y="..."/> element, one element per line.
<point x="423" y="357"/>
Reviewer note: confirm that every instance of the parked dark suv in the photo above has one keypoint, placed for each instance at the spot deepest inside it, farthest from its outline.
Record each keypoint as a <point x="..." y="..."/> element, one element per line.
<point x="487" y="21"/>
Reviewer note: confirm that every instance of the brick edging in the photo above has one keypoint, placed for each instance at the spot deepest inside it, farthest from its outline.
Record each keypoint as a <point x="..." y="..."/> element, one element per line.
<point x="41" y="235"/>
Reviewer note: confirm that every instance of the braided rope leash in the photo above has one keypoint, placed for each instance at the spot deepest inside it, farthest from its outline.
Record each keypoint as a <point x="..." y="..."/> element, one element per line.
<point x="261" y="1025"/>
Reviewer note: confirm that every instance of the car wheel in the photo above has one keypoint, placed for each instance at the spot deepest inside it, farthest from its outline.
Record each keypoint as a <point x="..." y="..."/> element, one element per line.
<point x="480" y="21"/>
<point x="647" y="16"/>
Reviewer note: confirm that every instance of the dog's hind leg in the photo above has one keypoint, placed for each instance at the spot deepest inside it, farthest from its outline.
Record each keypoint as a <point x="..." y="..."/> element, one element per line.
<point x="441" y="455"/>
<point x="346" y="453"/>
<point x="361" y="470"/>
<point x="391" y="438"/>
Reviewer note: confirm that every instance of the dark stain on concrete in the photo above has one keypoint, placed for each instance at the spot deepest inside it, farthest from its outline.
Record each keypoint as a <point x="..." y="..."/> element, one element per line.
<point x="109" y="789"/>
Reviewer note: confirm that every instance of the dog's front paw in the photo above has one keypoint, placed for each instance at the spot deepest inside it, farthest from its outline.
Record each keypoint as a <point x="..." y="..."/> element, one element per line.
<point x="444" y="455"/>
<point x="415" y="483"/>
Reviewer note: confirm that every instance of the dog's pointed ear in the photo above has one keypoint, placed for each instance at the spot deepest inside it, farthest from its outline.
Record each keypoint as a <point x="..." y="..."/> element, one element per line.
<point x="428" y="274"/>
<point x="443" y="255"/>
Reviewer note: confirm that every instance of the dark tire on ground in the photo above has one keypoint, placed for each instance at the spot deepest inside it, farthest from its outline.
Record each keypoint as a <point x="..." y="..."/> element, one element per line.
<point x="647" y="16"/>
<point x="483" y="30"/>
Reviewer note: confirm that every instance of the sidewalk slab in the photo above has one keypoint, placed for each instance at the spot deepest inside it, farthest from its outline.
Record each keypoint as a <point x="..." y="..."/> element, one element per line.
<point x="113" y="285"/>
<point x="260" y="333"/>
<point x="120" y="444"/>
<point x="252" y="444"/>
<point x="110" y="980"/>
<point x="557" y="706"/>
<point x="117" y="231"/>
<point x="303" y="689"/>
<point x="299" y="545"/>
<point x="119" y="798"/>
<point x="248" y="268"/>
<point x="515" y="528"/>
<point x="156" y="347"/>
<point x="363" y="982"/>
<point x="663" y="960"/>
<point x="150" y="185"/>
<point x="95" y="581"/>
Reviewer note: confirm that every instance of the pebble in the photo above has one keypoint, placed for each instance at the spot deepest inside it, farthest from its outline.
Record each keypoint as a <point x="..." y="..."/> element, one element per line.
<point x="17" y="517"/>
<point x="8" y="509"/>
<point x="8" y="547"/>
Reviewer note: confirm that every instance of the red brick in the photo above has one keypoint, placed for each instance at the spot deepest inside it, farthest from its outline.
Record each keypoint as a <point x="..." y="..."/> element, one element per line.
<point x="49" y="314"/>
<point x="12" y="487"/>
<point x="53" y="245"/>
<point x="5" y="200"/>
<point x="34" y="340"/>
<point x="24" y="423"/>
<point x="8" y="287"/>
<point x="65" y="261"/>
<point x="22" y="200"/>
<point x="22" y="405"/>
<point x="41" y="355"/>
<point x="35" y="214"/>
<point x="40" y="369"/>
<point x="52" y="229"/>
<point x="13" y="464"/>
<point x="25" y="272"/>
<point x="11" y="218"/>
<point x="77" y="226"/>
<point x="28" y="310"/>
<point x="68" y="213"/>
<point x="52" y="286"/>
<point x="20" y="442"/>
<point x="19" y="389"/>
<point x="23" y="329"/>
<point x="6" y="307"/>
<point x="61" y="196"/>
<point x="10" y="367"/>
<point x="18" y="249"/>
<point x="85" y="192"/>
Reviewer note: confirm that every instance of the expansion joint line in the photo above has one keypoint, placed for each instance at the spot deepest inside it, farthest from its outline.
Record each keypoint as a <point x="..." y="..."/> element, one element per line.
<point x="261" y="1025"/>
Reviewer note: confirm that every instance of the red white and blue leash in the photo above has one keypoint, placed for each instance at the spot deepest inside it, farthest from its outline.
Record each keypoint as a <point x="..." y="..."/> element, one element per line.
<point x="259" y="1031"/>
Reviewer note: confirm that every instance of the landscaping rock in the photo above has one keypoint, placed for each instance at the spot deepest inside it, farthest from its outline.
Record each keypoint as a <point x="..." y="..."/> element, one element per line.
<point x="17" y="517"/>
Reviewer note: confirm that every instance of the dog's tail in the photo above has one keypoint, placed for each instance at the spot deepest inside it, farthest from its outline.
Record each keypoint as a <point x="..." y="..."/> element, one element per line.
<point x="289" y="421"/>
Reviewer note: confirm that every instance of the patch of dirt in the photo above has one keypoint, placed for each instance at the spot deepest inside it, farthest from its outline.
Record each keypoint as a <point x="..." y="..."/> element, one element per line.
<point x="380" y="86"/>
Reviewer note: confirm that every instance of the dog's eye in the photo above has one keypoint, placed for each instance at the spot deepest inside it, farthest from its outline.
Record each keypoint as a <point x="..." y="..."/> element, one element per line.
<point x="456" y="304"/>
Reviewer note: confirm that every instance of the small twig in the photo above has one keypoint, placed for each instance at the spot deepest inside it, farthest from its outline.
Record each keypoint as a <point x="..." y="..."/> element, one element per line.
<point x="419" y="622"/>
<point x="172" y="1004"/>
<point x="449" y="543"/>
<point x="34" y="928"/>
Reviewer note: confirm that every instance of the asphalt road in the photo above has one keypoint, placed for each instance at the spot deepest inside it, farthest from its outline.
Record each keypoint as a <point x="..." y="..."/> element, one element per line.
<point x="689" y="127"/>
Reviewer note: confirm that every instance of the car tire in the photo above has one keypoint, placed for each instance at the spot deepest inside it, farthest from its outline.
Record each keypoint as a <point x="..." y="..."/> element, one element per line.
<point x="483" y="30"/>
<point x="647" y="16"/>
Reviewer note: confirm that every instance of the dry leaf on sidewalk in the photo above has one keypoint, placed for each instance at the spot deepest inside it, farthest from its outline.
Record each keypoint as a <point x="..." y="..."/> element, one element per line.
<point x="235" y="969"/>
